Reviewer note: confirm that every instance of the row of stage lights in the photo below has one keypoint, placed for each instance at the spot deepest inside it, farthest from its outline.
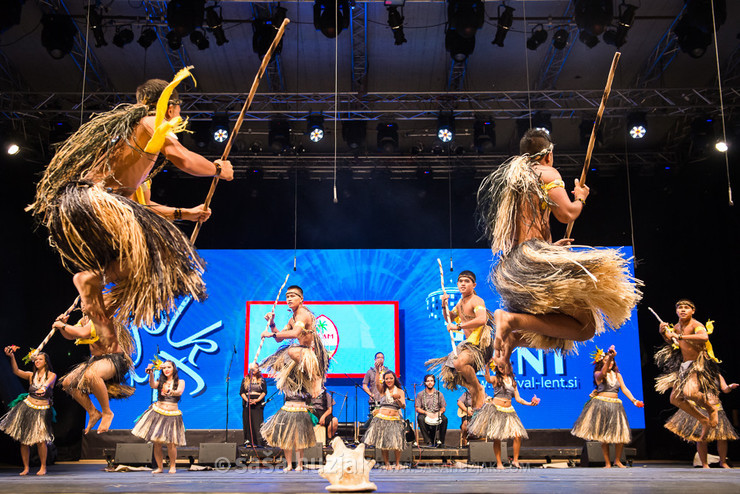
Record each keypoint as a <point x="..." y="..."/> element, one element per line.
<point x="354" y="132"/>
<point x="593" y="18"/>
<point x="484" y="134"/>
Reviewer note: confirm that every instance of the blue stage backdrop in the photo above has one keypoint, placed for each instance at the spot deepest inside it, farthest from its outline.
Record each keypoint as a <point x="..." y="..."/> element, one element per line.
<point x="366" y="301"/>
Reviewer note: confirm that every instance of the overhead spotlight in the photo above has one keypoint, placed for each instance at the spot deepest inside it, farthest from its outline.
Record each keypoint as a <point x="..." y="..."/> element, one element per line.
<point x="96" y="26"/>
<point x="123" y="36"/>
<point x="446" y="127"/>
<point x="215" y="21"/>
<point x="505" y="20"/>
<point x="198" y="38"/>
<point x="560" y="39"/>
<point x="395" y="21"/>
<point x="315" y="127"/>
<point x="637" y="125"/>
<point x="539" y="36"/>
<point x="331" y="16"/>
<point x="57" y="35"/>
<point x="460" y="48"/>
<point x="264" y="31"/>
<point x="278" y="138"/>
<point x="465" y="16"/>
<point x="541" y="121"/>
<point x="618" y="37"/>
<point x="220" y="128"/>
<point x="694" y="29"/>
<point x="354" y="133"/>
<point x="417" y="149"/>
<point x="185" y="16"/>
<point x="388" y="137"/>
<point x="592" y="16"/>
<point x="147" y="37"/>
<point x="174" y="40"/>
<point x="12" y="148"/>
<point x="484" y="135"/>
<point x="721" y="146"/>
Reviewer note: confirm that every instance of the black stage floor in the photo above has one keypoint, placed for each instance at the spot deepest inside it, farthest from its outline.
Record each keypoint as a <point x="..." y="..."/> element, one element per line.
<point x="85" y="477"/>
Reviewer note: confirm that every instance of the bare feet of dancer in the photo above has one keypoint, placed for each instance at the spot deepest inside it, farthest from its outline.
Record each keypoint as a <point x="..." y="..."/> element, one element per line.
<point x="619" y="464"/>
<point x="157" y="470"/>
<point x="24" y="472"/>
<point x="94" y="418"/>
<point x="107" y="418"/>
<point x="288" y="468"/>
<point x="173" y="469"/>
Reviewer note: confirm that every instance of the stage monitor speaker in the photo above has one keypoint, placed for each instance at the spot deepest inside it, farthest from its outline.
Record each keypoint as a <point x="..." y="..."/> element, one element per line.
<point x="406" y="455"/>
<point x="592" y="456"/>
<point x="481" y="452"/>
<point x="133" y="454"/>
<point x="313" y="455"/>
<point x="209" y="453"/>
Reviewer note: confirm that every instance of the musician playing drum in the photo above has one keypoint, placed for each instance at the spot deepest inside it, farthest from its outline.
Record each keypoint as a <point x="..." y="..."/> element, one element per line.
<point x="430" y="407"/>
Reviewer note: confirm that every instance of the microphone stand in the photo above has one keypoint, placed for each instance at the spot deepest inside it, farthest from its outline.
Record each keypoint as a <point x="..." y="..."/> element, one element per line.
<point x="228" y="376"/>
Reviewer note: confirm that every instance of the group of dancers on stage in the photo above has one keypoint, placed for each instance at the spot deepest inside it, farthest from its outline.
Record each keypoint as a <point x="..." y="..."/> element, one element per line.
<point x="131" y="264"/>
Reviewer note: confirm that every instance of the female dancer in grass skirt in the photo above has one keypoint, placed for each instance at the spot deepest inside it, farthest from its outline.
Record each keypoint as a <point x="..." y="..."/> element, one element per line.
<point x="497" y="419"/>
<point x="162" y="422"/>
<point x="386" y="431"/>
<point x="603" y="418"/>
<point x="29" y="418"/>
<point x="291" y="429"/>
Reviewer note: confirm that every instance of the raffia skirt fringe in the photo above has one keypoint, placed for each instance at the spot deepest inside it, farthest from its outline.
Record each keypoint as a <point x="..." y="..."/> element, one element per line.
<point x="93" y="229"/>
<point x="385" y="432"/>
<point x="703" y="372"/>
<point x="604" y="420"/>
<point x="445" y="368"/>
<point x="161" y="426"/>
<point x="497" y="422"/>
<point x="28" y="424"/>
<point x="289" y="428"/>
<point x="291" y="377"/>
<point x="537" y="277"/>
<point x="689" y="429"/>
<point x="115" y="385"/>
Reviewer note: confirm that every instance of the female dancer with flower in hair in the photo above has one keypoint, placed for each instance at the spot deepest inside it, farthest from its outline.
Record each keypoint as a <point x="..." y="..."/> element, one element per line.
<point x="689" y="428"/>
<point x="497" y="419"/>
<point x="386" y="428"/>
<point x="29" y="421"/>
<point x="603" y="418"/>
<point x="291" y="428"/>
<point x="554" y="296"/>
<point x="162" y="422"/>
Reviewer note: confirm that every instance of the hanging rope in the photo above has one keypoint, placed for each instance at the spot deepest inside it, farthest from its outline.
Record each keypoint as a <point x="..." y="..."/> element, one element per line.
<point x="336" y="93"/>
<point x="722" y="108"/>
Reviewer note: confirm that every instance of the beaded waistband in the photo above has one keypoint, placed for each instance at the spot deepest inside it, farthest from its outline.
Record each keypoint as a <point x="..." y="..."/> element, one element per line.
<point x="169" y="413"/>
<point x="36" y="407"/>
<point x="388" y="417"/>
<point x="607" y="399"/>
<point x="294" y="409"/>
<point x="509" y="409"/>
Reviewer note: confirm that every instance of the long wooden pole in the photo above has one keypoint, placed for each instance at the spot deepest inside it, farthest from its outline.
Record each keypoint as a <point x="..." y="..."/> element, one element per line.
<point x="262" y="340"/>
<point x="597" y="123"/>
<point x="447" y="317"/>
<point x="38" y="349"/>
<point x="257" y="78"/>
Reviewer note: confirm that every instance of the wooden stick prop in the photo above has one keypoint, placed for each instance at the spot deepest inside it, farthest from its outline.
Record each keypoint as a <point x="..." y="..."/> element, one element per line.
<point x="597" y="123"/>
<point x="447" y="318"/>
<point x="262" y="340"/>
<point x="35" y="351"/>
<point x="238" y="124"/>
<point x="675" y="341"/>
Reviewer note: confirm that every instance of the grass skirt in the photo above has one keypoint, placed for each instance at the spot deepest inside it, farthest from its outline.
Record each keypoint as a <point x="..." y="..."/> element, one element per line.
<point x="292" y="378"/>
<point x="445" y="368"/>
<point x="161" y="426"/>
<point x="115" y="385"/>
<point x="496" y="422"/>
<point x="689" y="429"/>
<point x="385" y="432"/>
<point x="536" y="277"/>
<point x="289" y="428"/>
<point x="28" y="424"/>
<point x="705" y="370"/>
<point x="92" y="229"/>
<point x="603" y="420"/>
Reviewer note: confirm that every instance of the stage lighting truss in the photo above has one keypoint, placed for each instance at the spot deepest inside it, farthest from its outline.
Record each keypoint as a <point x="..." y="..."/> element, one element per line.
<point x="57" y="34"/>
<point x="315" y="127"/>
<point x="147" y="37"/>
<point x="96" y="26"/>
<point x="560" y="39"/>
<point x="123" y="36"/>
<point x="395" y="21"/>
<point x="215" y="21"/>
<point x="446" y="127"/>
